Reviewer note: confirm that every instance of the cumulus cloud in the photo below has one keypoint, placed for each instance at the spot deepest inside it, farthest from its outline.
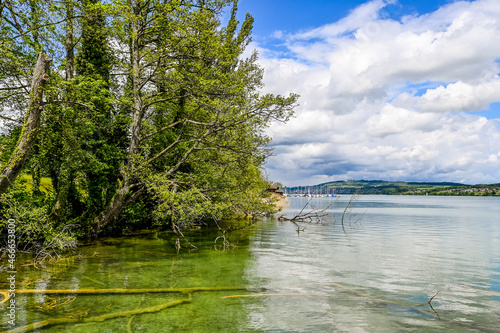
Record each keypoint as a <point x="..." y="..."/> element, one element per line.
<point x="390" y="99"/>
<point x="456" y="96"/>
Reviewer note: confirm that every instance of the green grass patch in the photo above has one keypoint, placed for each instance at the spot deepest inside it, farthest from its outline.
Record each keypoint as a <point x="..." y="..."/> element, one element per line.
<point x="45" y="183"/>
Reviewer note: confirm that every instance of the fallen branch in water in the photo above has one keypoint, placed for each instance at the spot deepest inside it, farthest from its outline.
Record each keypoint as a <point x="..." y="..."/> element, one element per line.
<point x="348" y="209"/>
<point x="430" y="305"/>
<point x="318" y="215"/>
<point x="310" y="216"/>
<point x="92" y="291"/>
<point x="57" y="321"/>
<point x="356" y="295"/>
<point x="129" y="324"/>
<point x="430" y="299"/>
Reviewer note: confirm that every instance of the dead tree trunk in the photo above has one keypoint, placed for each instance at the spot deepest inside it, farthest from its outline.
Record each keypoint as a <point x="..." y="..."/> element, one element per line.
<point x="31" y="124"/>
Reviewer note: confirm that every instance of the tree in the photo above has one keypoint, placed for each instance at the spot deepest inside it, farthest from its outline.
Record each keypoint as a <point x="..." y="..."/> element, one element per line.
<point x="31" y="124"/>
<point x="191" y="93"/>
<point x="153" y="103"/>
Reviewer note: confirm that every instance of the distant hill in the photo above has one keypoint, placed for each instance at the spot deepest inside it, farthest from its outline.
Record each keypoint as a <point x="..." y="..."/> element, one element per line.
<point x="400" y="188"/>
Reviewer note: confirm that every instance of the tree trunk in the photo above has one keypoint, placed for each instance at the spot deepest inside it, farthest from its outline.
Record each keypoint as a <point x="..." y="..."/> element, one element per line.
<point x="68" y="42"/>
<point x="62" y="188"/>
<point x="136" y="86"/>
<point x="126" y="193"/>
<point x="123" y="197"/>
<point x="112" y="211"/>
<point x="31" y="124"/>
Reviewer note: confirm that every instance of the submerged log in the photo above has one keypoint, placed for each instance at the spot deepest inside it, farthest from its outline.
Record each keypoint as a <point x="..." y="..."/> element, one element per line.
<point x="92" y="291"/>
<point x="57" y="321"/>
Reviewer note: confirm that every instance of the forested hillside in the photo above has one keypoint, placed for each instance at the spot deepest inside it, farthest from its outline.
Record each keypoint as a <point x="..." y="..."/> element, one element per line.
<point x="396" y="187"/>
<point x="119" y="115"/>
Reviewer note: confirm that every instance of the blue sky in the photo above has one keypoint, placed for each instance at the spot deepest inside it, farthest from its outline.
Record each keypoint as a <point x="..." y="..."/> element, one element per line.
<point x="395" y="90"/>
<point x="295" y="15"/>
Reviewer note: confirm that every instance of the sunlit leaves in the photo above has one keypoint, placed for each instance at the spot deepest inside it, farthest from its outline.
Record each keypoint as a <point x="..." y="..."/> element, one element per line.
<point x="162" y="105"/>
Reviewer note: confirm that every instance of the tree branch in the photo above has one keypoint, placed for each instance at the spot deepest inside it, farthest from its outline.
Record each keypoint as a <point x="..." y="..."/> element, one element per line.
<point x="10" y="119"/>
<point x="68" y="102"/>
<point x="160" y="130"/>
<point x="25" y="32"/>
<point x="13" y="88"/>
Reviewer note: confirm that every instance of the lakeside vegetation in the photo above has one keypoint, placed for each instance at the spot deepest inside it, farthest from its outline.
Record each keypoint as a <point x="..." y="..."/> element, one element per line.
<point x="398" y="188"/>
<point x="122" y="116"/>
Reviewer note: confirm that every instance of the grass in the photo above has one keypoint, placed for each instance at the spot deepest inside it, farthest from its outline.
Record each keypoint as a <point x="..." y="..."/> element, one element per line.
<point x="45" y="183"/>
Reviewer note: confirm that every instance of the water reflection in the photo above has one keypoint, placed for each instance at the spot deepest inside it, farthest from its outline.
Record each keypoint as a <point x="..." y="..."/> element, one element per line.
<point x="404" y="250"/>
<point x="373" y="276"/>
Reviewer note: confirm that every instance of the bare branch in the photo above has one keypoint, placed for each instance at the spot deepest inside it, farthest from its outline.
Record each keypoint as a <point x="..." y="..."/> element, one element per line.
<point x="348" y="208"/>
<point x="430" y="299"/>
<point x="13" y="88"/>
<point x="68" y="102"/>
<point x="25" y="32"/>
<point x="310" y="216"/>
<point x="10" y="119"/>
<point x="172" y="145"/>
<point x="160" y="130"/>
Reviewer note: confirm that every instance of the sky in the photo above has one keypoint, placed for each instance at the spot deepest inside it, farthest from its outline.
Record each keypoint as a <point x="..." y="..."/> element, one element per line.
<point x="391" y="90"/>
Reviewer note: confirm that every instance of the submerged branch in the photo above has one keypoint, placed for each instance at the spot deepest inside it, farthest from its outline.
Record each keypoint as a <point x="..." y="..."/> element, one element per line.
<point x="430" y="305"/>
<point x="310" y="216"/>
<point x="90" y="291"/>
<point x="348" y="208"/>
<point x="430" y="299"/>
<point x="57" y="321"/>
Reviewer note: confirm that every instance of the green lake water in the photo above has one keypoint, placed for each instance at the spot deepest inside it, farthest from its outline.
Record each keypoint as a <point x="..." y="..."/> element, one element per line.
<point x="374" y="275"/>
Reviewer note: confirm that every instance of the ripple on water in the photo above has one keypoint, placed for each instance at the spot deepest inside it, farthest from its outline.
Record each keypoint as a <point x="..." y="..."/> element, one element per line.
<point x="403" y="250"/>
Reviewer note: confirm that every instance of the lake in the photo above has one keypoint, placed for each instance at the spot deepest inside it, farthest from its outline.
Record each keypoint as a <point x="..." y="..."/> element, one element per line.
<point x="376" y="273"/>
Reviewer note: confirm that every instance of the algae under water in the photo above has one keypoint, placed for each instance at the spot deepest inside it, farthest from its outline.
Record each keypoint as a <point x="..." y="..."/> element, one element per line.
<point x="374" y="276"/>
<point x="116" y="275"/>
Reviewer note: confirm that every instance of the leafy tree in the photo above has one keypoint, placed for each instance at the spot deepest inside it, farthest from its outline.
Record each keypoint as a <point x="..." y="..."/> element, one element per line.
<point x="153" y="113"/>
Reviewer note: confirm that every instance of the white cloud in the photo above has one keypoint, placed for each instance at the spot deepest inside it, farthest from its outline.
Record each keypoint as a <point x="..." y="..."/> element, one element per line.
<point x="392" y="120"/>
<point x="363" y="113"/>
<point x="364" y="13"/>
<point x="457" y="96"/>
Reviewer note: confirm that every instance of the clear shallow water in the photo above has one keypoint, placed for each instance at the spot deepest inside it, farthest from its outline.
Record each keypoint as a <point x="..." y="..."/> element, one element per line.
<point x="376" y="273"/>
<point x="372" y="276"/>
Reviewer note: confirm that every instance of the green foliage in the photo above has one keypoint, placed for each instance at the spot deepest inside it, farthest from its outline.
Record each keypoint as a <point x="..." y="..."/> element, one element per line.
<point x="8" y="143"/>
<point x="34" y="229"/>
<point x="209" y="192"/>
<point x="162" y="122"/>
<point x="45" y="184"/>
<point x="94" y="56"/>
<point x="398" y="188"/>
